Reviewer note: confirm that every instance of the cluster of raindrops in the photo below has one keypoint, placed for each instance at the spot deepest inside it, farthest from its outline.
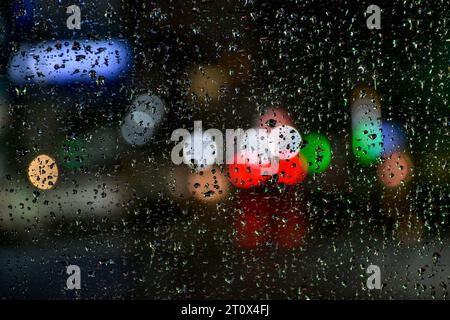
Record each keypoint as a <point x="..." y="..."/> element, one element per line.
<point x="347" y="165"/>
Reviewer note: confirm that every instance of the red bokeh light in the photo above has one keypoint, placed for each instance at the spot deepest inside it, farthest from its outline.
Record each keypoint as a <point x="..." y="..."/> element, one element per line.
<point x="292" y="171"/>
<point x="252" y="226"/>
<point x="261" y="218"/>
<point x="247" y="175"/>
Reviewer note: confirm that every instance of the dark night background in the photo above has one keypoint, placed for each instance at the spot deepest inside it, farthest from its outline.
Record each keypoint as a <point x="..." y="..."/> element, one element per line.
<point x="144" y="241"/>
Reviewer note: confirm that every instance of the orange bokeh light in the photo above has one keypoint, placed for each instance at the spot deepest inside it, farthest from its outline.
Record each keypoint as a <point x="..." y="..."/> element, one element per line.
<point x="43" y="172"/>
<point x="395" y="170"/>
<point x="208" y="185"/>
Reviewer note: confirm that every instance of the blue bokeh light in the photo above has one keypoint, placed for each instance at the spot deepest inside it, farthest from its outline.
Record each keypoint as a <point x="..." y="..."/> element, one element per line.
<point x="69" y="61"/>
<point x="394" y="138"/>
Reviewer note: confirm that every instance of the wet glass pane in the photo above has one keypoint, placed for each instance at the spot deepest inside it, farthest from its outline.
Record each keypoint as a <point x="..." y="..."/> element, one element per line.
<point x="224" y="149"/>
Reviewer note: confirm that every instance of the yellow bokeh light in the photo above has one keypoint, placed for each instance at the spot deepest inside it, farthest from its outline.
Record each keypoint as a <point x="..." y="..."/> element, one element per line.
<point x="207" y="84"/>
<point x="43" y="172"/>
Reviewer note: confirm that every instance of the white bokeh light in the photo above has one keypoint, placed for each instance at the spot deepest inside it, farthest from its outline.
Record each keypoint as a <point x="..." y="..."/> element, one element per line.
<point x="254" y="147"/>
<point x="138" y="128"/>
<point x="205" y="157"/>
<point x="284" y="142"/>
<point x="151" y="105"/>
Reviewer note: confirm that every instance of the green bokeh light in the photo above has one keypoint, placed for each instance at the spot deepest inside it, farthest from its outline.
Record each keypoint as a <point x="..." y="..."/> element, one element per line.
<point x="72" y="153"/>
<point x="317" y="151"/>
<point x="367" y="143"/>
